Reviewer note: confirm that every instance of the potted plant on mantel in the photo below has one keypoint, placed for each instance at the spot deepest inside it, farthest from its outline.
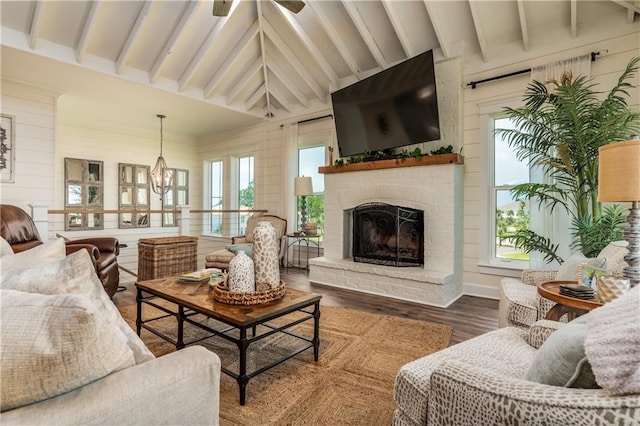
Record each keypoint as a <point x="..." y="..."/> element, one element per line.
<point x="561" y="131"/>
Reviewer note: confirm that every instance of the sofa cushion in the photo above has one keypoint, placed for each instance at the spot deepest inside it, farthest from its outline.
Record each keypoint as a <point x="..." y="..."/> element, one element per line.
<point x="561" y="360"/>
<point x="52" y="344"/>
<point x="43" y="253"/>
<point x="246" y="248"/>
<point x="74" y="274"/>
<point x="612" y="343"/>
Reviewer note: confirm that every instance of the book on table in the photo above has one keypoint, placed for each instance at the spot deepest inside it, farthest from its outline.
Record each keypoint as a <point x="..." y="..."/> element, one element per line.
<point x="200" y="275"/>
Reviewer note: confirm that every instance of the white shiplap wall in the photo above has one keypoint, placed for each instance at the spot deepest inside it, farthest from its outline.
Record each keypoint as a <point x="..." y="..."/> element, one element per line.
<point x="605" y="70"/>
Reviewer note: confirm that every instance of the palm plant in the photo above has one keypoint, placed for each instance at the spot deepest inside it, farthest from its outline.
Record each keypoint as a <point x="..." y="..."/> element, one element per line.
<point x="560" y="131"/>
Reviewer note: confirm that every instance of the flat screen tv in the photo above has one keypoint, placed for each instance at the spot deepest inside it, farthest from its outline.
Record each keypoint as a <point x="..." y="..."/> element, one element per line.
<point x="391" y="109"/>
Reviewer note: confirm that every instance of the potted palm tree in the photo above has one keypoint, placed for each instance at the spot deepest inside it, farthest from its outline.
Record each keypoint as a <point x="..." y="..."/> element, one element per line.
<point x="560" y="130"/>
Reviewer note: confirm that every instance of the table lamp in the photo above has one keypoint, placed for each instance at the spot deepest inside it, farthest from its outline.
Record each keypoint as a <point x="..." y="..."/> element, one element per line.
<point x="303" y="187"/>
<point x="619" y="181"/>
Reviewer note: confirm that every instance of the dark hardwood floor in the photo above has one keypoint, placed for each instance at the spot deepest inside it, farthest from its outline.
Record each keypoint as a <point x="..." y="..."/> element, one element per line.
<point x="469" y="316"/>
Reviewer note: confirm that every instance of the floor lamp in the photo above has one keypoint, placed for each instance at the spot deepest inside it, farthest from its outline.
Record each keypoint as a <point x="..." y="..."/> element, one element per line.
<point x="619" y="181"/>
<point x="303" y="187"/>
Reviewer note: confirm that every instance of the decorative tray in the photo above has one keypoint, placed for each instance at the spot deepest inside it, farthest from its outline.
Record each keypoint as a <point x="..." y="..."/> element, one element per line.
<point x="222" y="294"/>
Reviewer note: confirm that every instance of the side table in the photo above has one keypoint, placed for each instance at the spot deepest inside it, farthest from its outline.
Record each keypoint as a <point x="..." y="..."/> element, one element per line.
<point x="299" y="241"/>
<point x="570" y="306"/>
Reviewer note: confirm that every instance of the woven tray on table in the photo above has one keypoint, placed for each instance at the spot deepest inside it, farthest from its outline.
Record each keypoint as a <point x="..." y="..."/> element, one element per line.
<point x="223" y="295"/>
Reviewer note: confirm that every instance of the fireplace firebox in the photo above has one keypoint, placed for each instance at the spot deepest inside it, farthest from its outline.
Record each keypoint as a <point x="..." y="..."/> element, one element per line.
<point x="384" y="234"/>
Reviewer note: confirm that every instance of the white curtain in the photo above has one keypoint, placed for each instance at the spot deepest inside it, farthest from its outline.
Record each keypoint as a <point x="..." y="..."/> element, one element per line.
<point x="578" y="66"/>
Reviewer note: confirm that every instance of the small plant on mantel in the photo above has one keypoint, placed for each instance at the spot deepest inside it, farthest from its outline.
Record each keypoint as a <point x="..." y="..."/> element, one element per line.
<point x="387" y="154"/>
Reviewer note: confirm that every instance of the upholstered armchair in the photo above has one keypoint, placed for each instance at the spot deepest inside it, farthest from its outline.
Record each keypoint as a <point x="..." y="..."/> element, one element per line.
<point x="19" y="230"/>
<point x="585" y="372"/>
<point x="221" y="258"/>
<point x="521" y="305"/>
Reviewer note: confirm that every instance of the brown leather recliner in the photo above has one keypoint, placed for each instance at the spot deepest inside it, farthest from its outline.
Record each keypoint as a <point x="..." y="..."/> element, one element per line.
<point x="19" y="230"/>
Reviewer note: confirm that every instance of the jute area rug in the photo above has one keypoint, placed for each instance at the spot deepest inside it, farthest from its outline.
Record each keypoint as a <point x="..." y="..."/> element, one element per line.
<point x="351" y="384"/>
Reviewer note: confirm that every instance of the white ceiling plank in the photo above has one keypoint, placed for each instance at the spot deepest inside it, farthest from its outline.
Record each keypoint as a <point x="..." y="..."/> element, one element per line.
<point x="634" y="8"/>
<point x="263" y="55"/>
<point x="574" y="18"/>
<point x="295" y="62"/>
<point x="396" y="22"/>
<point x="365" y="33"/>
<point x="482" y="39"/>
<point x="523" y="25"/>
<point x="87" y="30"/>
<point x="249" y="74"/>
<point x="251" y="102"/>
<point x="281" y="98"/>
<point x="333" y="35"/>
<point x="226" y="65"/>
<point x="316" y="54"/>
<point x="438" y="27"/>
<point x="222" y="23"/>
<point x="36" y="24"/>
<point x="133" y="34"/>
<point x="185" y="19"/>
<point x="287" y="82"/>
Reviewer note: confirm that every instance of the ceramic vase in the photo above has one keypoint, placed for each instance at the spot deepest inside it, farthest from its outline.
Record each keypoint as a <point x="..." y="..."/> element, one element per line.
<point x="241" y="273"/>
<point x="265" y="254"/>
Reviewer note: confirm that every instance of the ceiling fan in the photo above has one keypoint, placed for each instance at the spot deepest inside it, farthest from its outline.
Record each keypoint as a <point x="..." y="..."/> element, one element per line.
<point x="222" y="7"/>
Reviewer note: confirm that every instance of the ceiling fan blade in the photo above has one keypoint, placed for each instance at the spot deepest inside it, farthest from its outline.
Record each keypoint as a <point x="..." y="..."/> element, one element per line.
<point x="221" y="7"/>
<point x="293" y="5"/>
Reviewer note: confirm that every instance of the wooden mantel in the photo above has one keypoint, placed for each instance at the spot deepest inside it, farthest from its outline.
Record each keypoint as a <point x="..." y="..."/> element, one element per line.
<point x="429" y="160"/>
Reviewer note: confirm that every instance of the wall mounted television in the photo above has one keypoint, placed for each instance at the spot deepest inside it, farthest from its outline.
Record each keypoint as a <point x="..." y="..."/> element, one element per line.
<point x="391" y="109"/>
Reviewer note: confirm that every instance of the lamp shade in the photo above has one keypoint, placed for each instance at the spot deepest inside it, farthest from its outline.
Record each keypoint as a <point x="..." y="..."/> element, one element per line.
<point x="619" y="171"/>
<point x="303" y="186"/>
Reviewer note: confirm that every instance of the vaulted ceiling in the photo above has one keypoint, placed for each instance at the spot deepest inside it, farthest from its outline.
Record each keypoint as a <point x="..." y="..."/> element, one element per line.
<point x="264" y="62"/>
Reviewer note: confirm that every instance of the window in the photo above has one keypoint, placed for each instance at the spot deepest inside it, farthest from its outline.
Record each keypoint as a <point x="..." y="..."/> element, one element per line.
<point x="244" y="193"/>
<point x="309" y="159"/>
<point x="83" y="191"/>
<point x="217" y="188"/>
<point x="509" y="215"/>
<point x="177" y="195"/>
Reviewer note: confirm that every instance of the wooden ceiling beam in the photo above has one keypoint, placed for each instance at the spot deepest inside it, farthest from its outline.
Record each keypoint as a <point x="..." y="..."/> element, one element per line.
<point x="523" y="25"/>
<point x="635" y="8"/>
<point x="335" y="39"/>
<point x="133" y="34"/>
<point x="251" y="102"/>
<point x="248" y="75"/>
<point x="482" y="39"/>
<point x="365" y="33"/>
<point x="87" y="31"/>
<point x="36" y="24"/>
<point x="574" y="18"/>
<point x="281" y="98"/>
<point x="281" y="75"/>
<point x="438" y="27"/>
<point x="263" y="55"/>
<point x="178" y="30"/>
<point x="227" y="64"/>
<point x="396" y="22"/>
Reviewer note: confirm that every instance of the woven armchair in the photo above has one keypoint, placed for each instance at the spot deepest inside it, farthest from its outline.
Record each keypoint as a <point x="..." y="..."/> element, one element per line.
<point x="520" y="304"/>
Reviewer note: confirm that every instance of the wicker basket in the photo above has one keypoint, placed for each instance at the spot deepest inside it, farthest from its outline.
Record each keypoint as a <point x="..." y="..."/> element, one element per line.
<point x="223" y="295"/>
<point x="166" y="256"/>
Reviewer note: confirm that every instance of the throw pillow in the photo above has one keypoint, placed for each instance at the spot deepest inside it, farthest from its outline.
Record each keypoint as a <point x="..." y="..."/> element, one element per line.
<point x="5" y="248"/>
<point x="75" y="274"/>
<point x="568" y="271"/>
<point x="246" y="248"/>
<point x="614" y="254"/>
<point x="44" y="253"/>
<point x="52" y="344"/>
<point x="561" y="360"/>
<point x="612" y="343"/>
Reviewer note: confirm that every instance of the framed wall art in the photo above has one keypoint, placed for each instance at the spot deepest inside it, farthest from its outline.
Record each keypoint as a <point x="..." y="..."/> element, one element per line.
<point x="7" y="148"/>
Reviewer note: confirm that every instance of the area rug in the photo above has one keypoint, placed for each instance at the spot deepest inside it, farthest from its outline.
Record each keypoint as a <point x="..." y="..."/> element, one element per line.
<point x="351" y="384"/>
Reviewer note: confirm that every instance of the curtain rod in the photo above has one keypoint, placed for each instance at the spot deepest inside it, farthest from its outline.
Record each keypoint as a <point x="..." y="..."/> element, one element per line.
<point x="311" y="119"/>
<point x="473" y="84"/>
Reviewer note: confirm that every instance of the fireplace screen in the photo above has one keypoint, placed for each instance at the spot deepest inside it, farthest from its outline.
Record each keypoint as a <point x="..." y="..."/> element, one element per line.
<point x="388" y="235"/>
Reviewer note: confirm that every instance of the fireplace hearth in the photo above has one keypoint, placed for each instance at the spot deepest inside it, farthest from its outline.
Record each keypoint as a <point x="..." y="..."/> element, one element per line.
<point x="389" y="235"/>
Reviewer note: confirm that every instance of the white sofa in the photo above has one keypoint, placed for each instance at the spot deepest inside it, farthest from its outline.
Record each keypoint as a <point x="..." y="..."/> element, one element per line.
<point x="68" y="357"/>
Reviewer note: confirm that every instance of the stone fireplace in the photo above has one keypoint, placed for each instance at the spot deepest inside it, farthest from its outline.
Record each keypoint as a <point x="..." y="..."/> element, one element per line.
<point x="429" y="187"/>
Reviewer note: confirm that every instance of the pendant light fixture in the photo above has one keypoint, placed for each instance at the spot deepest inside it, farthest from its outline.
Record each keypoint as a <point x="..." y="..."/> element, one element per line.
<point x="161" y="176"/>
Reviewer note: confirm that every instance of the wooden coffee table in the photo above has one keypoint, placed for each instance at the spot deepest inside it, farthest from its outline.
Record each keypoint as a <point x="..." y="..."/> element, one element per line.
<point x="197" y="298"/>
<point x="570" y="306"/>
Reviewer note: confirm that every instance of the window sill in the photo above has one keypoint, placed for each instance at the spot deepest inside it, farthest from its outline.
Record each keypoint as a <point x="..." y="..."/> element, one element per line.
<point x="501" y="270"/>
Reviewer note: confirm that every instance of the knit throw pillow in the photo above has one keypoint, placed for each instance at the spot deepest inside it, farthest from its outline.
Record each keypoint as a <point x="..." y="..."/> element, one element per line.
<point x="52" y="344"/>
